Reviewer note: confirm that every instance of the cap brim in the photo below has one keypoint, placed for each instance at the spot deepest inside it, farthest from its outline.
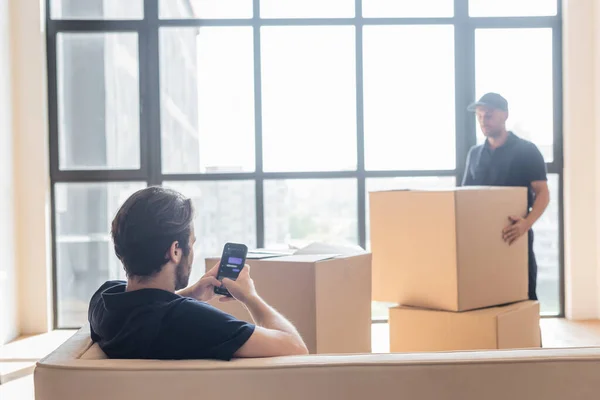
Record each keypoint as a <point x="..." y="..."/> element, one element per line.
<point x="473" y="106"/>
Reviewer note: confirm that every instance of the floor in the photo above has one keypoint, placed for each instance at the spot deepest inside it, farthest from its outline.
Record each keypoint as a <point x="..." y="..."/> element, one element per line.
<point x="18" y="358"/>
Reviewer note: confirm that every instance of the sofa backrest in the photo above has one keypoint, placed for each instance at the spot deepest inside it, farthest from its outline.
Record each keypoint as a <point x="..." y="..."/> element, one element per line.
<point x="79" y="370"/>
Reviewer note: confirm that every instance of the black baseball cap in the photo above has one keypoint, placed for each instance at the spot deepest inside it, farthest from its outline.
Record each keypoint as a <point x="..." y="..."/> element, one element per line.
<point x="492" y="100"/>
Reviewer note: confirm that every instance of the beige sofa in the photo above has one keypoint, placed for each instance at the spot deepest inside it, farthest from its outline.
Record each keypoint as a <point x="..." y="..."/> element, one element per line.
<point x="79" y="370"/>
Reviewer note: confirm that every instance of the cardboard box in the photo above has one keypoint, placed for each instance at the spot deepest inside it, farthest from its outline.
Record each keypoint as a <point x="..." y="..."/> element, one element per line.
<point x="326" y="296"/>
<point x="444" y="249"/>
<point x="514" y="326"/>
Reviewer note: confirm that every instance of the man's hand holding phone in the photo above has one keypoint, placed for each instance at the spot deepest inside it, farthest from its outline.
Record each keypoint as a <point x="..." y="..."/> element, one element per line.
<point x="242" y="289"/>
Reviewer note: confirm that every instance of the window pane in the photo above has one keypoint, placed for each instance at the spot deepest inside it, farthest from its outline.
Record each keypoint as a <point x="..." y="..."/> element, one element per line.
<point x="180" y="9"/>
<point x="207" y="99"/>
<point x="408" y="8"/>
<point x="546" y="246"/>
<point x="379" y="310"/>
<point x="306" y="9"/>
<point x="98" y="101"/>
<point x="409" y="97"/>
<point x="517" y="63"/>
<point x="511" y="8"/>
<point x="97" y="9"/>
<point x="309" y="98"/>
<point x="225" y="212"/>
<point x="298" y="212"/>
<point x="84" y="251"/>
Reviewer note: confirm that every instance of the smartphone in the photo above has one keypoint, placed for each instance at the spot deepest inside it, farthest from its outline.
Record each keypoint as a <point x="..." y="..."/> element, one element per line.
<point x="232" y="262"/>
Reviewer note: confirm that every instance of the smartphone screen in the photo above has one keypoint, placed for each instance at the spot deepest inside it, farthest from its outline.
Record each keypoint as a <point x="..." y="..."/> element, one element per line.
<point x="232" y="262"/>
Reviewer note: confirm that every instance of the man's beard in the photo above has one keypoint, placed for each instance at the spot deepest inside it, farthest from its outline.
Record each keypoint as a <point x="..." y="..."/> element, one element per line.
<point x="182" y="274"/>
<point x="493" y="133"/>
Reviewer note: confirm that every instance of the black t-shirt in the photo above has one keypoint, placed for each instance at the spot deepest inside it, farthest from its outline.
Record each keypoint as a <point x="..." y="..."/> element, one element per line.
<point x="157" y="324"/>
<point x="517" y="162"/>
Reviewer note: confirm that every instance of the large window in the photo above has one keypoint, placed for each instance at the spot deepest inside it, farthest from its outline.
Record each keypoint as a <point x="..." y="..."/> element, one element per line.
<point x="278" y="117"/>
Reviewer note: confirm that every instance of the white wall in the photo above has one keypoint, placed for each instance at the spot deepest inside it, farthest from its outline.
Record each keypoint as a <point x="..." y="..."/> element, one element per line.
<point x="8" y="278"/>
<point x="596" y="14"/>
<point x="581" y="54"/>
<point x="31" y="165"/>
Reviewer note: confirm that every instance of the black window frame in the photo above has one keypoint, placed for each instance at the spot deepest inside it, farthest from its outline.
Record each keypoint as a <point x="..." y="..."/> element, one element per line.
<point x="150" y="109"/>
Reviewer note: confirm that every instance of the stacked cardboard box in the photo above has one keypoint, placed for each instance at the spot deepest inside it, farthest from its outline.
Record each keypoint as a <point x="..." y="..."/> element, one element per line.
<point x="441" y="256"/>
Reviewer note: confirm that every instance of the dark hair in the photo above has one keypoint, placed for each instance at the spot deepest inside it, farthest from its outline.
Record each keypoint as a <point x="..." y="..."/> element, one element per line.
<point x="146" y="226"/>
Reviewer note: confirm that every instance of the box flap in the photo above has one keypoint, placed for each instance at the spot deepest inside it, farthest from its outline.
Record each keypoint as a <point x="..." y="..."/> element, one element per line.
<point x="327" y="248"/>
<point x="311" y="253"/>
<point x="310" y="258"/>
<point x="259" y="254"/>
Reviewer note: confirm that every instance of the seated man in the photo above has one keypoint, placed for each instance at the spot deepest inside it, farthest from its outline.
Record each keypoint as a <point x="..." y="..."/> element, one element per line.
<point x="154" y="315"/>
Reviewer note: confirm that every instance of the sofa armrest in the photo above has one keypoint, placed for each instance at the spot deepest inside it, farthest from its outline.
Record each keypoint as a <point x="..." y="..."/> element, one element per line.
<point x="71" y="350"/>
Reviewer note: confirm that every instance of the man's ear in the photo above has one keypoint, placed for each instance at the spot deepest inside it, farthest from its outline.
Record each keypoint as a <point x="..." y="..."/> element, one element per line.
<point x="174" y="253"/>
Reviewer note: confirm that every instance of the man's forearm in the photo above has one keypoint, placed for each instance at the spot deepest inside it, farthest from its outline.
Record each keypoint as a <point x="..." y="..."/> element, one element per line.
<point x="539" y="206"/>
<point x="267" y="317"/>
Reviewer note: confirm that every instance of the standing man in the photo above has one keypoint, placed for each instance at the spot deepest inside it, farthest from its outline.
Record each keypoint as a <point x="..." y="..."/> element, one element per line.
<point x="507" y="160"/>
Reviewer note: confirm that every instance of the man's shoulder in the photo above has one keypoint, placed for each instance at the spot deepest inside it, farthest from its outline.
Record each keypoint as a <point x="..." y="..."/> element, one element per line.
<point x="527" y="145"/>
<point x="529" y="152"/>
<point x="191" y="308"/>
<point x="109" y="285"/>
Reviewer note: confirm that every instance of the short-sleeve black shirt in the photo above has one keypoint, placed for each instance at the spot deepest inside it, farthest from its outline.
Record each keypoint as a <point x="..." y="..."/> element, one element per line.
<point x="157" y="324"/>
<point x="517" y="162"/>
